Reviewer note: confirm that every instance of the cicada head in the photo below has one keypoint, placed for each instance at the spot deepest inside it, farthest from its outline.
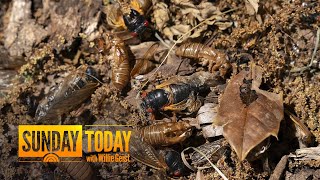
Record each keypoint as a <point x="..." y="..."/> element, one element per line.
<point x="176" y="167"/>
<point x="135" y="22"/>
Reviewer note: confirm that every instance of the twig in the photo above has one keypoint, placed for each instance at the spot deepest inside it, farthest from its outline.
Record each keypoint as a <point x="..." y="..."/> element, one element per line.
<point x="306" y="134"/>
<point x="278" y="171"/>
<point x="161" y="40"/>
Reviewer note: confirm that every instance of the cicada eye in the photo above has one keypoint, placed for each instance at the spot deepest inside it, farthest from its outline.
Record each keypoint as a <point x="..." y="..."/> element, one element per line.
<point x="134" y="34"/>
<point x="177" y="173"/>
<point x="146" y="23"/>
<point x="144" y="94"/>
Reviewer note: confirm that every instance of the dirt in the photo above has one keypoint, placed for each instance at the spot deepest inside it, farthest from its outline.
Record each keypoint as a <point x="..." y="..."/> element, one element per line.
<point x="56" y="37"/>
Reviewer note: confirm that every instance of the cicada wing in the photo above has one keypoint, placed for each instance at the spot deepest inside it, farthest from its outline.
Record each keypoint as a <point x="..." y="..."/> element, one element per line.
<point x="59" y="103"/>
<point x="7" y="78"/>
<point x="178" y="80"/>
<point x="145" y="153"/>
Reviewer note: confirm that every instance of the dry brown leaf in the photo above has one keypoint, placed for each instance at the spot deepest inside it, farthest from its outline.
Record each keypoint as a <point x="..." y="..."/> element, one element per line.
<point x="183" y="3"/>
<point x="245" y="126"/>
<point x="143" y="64"/>
<point x="114" y="16"/>
<point x="223" y="25"/>
<point x="176" y="30"/>
<point x="193" y="11"/>
<point x="198" y="31"/>
<point x="252" y="6"/>
<point x="189" y="15"/>
<point x="161" y="14"/>
<point x="207" y="9"/>
<point x="199" y="175"/>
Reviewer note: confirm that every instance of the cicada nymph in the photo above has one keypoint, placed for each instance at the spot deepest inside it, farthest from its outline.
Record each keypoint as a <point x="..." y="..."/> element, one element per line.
<point x="77" y="168"/>
<point x="120" y="63"/>
<point x="206" y="56"/>
<point x="166" y="133"/>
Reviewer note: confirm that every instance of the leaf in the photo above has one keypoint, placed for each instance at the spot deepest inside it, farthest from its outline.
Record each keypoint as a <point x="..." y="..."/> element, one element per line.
<point x="161" y="15"/>
<point x="199" y="175"/>
<point x="176" y="30"/>
<point x="252" y="6"/>
<point x="248" y="123"/>
<point x="207" y="9"/>
<point x="203" y="121"/>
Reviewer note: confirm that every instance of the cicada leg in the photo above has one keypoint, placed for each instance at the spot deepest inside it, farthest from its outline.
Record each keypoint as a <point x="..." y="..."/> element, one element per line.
<point x="217" y="65"/>
<point x="80" y="110"/>
<point x="224" y="69"/>
<point x="177" y="132"/>
<point x="177" y="139"/>
<point x="194" y="105"/>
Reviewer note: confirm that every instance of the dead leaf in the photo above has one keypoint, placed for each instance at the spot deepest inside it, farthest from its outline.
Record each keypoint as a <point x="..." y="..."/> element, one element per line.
<point x="144" y="64"/>
<point x="161" y="15"/>
<point x="248" y="123"/>
<point x="187" y="15"/>
<point x="199" y="175"/>
<point x="252" y="6"/>
<point x="206" y="113"/>
<point x="306" y="154"/>
<point x="223" y="25"/>
<point x="207" y="9"/>
<point x="184" y="3"/>
<point x="176" y="30"/>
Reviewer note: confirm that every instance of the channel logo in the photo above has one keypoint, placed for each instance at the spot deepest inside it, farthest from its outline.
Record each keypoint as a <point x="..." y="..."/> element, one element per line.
<point x="57" y="143"/>
<point x="50" y="142"/>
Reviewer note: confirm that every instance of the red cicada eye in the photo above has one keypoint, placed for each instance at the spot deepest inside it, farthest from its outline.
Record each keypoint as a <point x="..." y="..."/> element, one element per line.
<point x="149" y="110"/>
<point x="134" y="34"/>
<point x="146" y="23"/>
<point x="144" y="94"/>
<point x="177" y="173"/>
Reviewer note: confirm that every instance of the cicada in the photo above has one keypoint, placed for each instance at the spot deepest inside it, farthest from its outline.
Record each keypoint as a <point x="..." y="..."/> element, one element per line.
<point x="178" y="94"/>
<point x="206" y="56"/>
<point x="166" y="133"/>
<point x="75" y="88"/>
